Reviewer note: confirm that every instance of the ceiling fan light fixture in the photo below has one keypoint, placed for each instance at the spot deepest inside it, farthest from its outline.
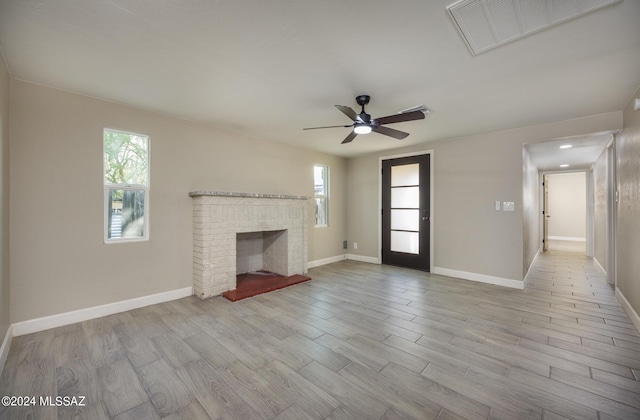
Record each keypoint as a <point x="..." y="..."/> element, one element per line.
<point x="364" y="124"/>
<point x="362" y="129"/>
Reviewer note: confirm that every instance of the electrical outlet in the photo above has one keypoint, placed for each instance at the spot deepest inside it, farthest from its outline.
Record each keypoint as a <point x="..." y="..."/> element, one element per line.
<point x="344" y="245"/>
<point x="355" y="245"/>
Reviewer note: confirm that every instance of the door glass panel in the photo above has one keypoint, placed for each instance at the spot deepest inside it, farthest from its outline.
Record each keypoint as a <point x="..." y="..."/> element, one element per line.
<point x="402" y="175"/>
<point x="405" y="219"/>
<point x="405" y="242"/>
<point x="405" y="197"/>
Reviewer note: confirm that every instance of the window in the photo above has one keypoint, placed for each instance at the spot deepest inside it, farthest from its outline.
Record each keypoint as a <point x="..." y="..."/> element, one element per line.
<point x="321" y="194"/>
<point x="126" y="186"/>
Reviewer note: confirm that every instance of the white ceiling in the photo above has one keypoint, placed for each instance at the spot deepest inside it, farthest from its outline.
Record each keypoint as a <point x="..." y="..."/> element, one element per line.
<point x="584" y="151"/>
<point x="267" y="69"/>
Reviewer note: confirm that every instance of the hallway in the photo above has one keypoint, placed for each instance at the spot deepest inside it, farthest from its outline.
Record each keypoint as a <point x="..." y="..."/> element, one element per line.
<point x="565" y="270"/>
<point x="569" y="246"/>
<point x="582" y="305"/>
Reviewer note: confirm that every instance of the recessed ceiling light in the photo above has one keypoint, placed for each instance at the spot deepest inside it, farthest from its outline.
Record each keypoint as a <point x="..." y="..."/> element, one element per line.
<point x="564" y="165"/>
<point x="566" y="146"/>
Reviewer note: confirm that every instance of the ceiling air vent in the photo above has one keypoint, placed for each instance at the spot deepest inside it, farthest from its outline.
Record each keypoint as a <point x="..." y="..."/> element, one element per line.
<point x="487" y="24"/>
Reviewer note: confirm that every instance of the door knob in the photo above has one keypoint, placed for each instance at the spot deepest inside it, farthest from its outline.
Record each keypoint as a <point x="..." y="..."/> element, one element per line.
<point x="425" y="218"/>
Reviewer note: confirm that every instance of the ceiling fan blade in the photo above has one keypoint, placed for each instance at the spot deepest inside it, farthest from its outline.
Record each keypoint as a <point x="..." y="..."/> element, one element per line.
<point x="407" y="116"/>
<point x="348" y="111"/>
<point x="350" y="137"/>
<point x="396" y="134"/>
<point x="328" y="126"/>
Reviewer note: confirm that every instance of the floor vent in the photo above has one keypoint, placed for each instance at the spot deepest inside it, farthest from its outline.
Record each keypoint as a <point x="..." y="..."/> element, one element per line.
<point x="487" y="24"/>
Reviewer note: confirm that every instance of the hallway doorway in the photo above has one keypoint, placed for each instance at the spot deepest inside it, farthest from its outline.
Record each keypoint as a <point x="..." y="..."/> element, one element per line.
<point x="565" y="211"/>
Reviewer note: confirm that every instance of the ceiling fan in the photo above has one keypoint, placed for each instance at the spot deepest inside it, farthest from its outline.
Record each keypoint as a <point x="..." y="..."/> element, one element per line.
<point x="364" y="124"/>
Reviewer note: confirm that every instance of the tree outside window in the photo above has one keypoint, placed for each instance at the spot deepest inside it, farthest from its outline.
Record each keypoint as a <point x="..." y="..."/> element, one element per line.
<point x="126" y="185"/>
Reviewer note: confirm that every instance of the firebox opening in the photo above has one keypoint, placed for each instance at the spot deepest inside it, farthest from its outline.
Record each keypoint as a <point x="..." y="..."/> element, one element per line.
<point x="260" y="252"/>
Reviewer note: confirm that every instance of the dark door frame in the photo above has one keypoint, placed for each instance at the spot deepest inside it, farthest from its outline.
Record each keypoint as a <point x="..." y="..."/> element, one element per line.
<point x="431" y="200"/>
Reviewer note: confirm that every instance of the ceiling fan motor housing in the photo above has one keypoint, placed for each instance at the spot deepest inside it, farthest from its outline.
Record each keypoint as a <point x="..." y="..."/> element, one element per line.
<point x="364" y="118"/>
<point x="362" y="100"/>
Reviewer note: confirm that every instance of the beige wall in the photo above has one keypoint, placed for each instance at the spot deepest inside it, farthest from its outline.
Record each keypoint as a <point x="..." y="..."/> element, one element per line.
<point x="568" y="205"/>
<point x="628" y="220"/>
<point x="4" y="199"/>
<point x="470" y="174"/>
<point x="363" y="205"/>
<point x="59" y="262"/>
<point x="530" y="210"/>
<point x="600" y="210"/>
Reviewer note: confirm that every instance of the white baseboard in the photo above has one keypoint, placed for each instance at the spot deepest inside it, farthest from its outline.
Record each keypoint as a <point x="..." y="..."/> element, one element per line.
<point x="516" y="284"/>
<point x="6" y="345"/>
<point x="482" y="278"/>
<point x="533" y="263"/>
<point x="633" y="315"/>
<point x="600" y="267"/>
<point x="362" y="258"/>
<point x="567" y="238"/>
<point x="59" y="320"/>
<point x="325" y="261"/>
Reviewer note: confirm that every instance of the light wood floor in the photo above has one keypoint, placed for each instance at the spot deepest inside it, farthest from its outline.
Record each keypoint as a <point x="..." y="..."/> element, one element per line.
<point x="359" y="341"/>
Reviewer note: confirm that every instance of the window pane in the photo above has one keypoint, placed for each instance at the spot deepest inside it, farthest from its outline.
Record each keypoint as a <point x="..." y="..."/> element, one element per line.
<point x="321" y="211"/>
<point x="321" y="193"/>
<point x="405" y="220"/>
<point x="402" y="175"/>
<point x="125" y="213"/>
<point x="406" y="242"/>
<point x="405" y="197"/>
<point x="125" y="158"/>
<point x="319" y="180"/>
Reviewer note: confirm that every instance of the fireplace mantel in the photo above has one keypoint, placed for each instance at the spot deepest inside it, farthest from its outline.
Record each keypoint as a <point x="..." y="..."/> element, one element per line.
<point x="219" y="216"/>
<point x="246" y="195"/>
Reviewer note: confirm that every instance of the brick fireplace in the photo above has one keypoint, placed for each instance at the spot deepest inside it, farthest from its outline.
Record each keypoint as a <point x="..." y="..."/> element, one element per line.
<point x="273" y="225"/>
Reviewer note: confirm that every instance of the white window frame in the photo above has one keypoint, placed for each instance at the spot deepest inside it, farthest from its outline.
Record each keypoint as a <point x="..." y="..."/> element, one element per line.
<point x="322" y="196"/>
<point x="128" y="187"/>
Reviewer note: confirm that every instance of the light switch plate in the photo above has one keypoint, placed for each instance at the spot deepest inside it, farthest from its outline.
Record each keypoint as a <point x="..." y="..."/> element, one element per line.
<point x="508" y="206"/>
<point x="497" y="205"/>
